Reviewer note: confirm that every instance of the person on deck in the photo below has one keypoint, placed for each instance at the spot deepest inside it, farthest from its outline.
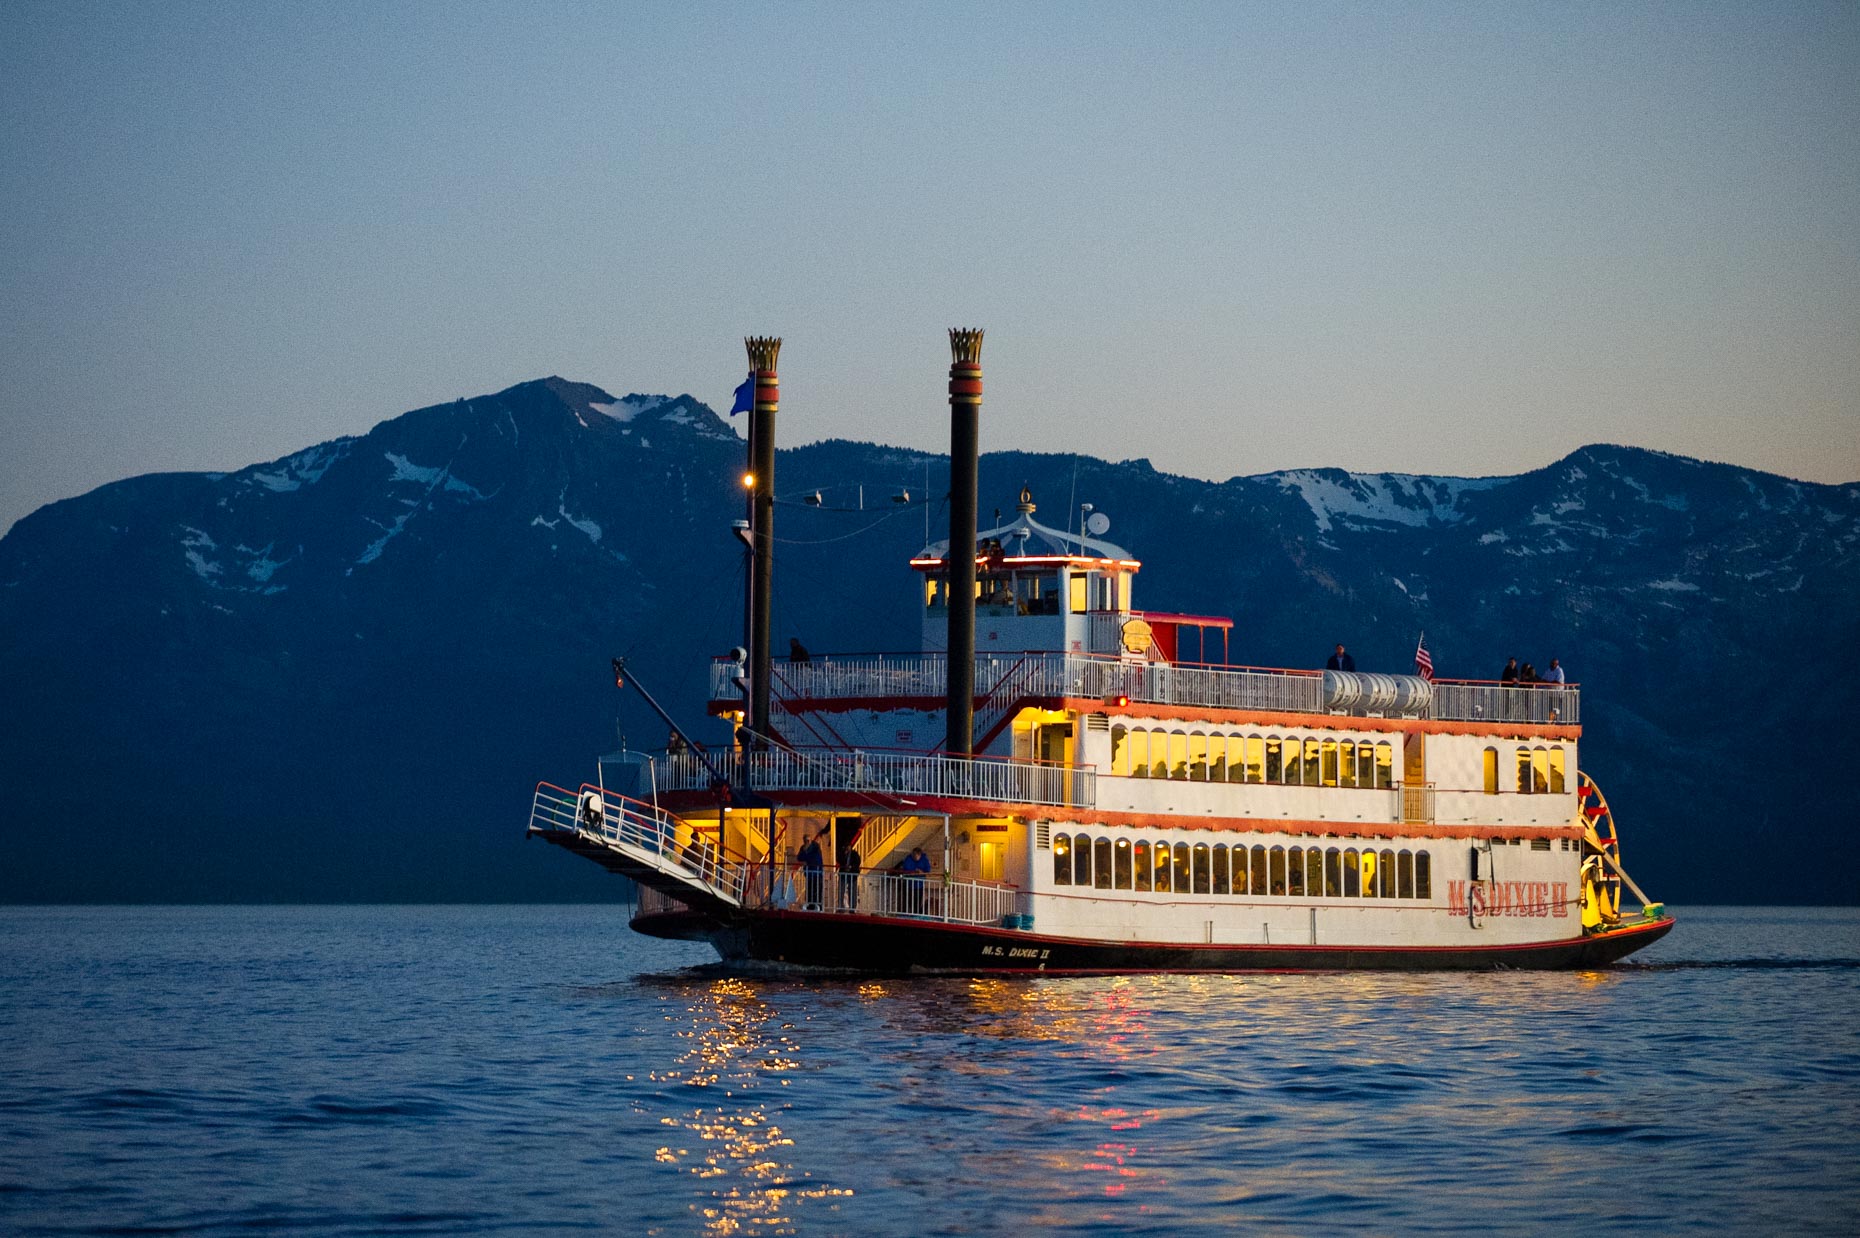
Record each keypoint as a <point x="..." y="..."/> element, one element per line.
<point x="1341" y="660"/>
<point x="1510" y="674"/>
<point x="849" y="877"/>
<point x="916" y="869"/>
<point x="797" y="652"/>
<point x="1555" y="673"/>
<point x="813" y="864"/>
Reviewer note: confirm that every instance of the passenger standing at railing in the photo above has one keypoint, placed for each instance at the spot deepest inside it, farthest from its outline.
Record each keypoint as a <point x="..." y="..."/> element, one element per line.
<point x="916" y="868"/>
<point x="1341" y="660"/>
<point x="849" y="877"/>
<point x="813" y="865"/>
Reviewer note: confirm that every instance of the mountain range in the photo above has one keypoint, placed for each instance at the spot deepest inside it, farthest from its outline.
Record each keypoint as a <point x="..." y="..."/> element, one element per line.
<point x="338" y="675"/>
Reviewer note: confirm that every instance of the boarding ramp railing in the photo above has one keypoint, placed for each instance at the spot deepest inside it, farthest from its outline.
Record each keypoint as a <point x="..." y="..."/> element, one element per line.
<point x="644" y="838"/>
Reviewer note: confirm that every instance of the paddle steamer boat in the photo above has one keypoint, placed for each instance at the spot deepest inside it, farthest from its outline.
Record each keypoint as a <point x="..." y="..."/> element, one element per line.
<point x="1091" y="793"/>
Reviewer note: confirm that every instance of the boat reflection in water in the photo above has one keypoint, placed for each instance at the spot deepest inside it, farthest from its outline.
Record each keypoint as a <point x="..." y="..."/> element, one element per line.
<point x="838" y="1103"/>
<point x="732" y="1143"/>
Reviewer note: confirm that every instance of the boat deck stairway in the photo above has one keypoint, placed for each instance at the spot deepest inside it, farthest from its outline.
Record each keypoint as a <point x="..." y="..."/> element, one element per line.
<point x="639" y="841"/>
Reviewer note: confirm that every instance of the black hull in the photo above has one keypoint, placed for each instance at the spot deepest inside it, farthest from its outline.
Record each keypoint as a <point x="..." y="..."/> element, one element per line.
<point x="887" y="946"/>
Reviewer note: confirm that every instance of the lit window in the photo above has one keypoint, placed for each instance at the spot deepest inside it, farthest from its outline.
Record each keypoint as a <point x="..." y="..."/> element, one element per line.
<point x="1120" y="751"/>
<point x="1275" y="769"/>
<point x="1255" y="759"/>
<point x="1491" y="771"/>
<point x="1062" y="860"/>
<point x="1183" y="879"/>
<point x="1314" y="871"/>
<point x="1385" y="765"/>
<point x="1540" y="771"/>
<point x="1385" y="876"/>
<point x="1198" y="757"/>
<point x="1327" y="765"/>
<point x="1346" y="763"/>
<point x="1220" y="869"/>
<point x="1524" y="770"/>
<point x="1203" y="870"/>
<point x="1121" y="858"/>
<point x="1259" y="871"/>
<point x="1556" y="771"/>
<point x="1161" y="855"/>
<point x="1352" y="873"/>
<point x="1101" y="864"/>
<point x="1295" y="872"/>
<point x="1333" y="873"/>
<point x="1077" y="590"/>
<point x="1178" y="756"/>
<point x="1313" y="762"/>
<point x="1278" y="870"/>
<point x="1217" y="758"/>
<point x="1140" y="866"/>
<point x="1138" y="746"/>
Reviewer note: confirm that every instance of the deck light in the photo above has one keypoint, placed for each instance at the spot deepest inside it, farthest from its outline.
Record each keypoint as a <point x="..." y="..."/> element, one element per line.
<point x="749" y="481"/>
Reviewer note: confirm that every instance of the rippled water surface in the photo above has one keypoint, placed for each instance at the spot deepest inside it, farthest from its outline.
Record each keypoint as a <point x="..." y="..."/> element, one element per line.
<point x="422" y="1069"/>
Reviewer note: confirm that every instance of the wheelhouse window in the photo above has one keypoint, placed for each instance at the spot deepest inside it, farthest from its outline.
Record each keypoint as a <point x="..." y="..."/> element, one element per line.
<point x="1077" y="594"/>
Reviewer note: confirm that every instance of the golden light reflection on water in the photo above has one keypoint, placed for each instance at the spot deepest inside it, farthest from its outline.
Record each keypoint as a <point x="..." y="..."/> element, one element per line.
<point x="737" y="1046"/>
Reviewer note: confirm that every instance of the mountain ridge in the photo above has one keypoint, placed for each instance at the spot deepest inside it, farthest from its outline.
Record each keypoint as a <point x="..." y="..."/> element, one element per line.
<point x="413" y="622"/>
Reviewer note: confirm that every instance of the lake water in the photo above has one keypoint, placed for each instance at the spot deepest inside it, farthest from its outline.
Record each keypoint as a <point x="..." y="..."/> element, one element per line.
<point x="337" y="1070"/>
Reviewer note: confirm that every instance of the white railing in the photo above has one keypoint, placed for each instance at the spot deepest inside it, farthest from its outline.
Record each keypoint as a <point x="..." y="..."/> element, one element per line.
<point x="1050" y="675"/>
<point x="872" y="894"/>
<point x="1490" y="702"/>
<point x="646" y="835"/>
<point x="833" y="892"/>
<point x="993" y="779"/>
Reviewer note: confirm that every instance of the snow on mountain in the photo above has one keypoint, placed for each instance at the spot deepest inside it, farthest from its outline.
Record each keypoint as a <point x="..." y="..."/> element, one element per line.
<point x="1375" y="499"/>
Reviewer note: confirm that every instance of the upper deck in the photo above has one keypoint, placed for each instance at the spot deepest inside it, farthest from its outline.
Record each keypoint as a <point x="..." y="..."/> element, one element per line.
<point x="919" y="680"/>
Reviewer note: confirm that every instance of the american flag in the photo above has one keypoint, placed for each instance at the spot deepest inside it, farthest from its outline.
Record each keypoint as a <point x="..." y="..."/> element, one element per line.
<point x="1423" y="660"/>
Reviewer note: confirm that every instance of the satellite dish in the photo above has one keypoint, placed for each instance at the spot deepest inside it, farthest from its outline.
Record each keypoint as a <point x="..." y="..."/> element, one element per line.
<point x="1097" y="524"/>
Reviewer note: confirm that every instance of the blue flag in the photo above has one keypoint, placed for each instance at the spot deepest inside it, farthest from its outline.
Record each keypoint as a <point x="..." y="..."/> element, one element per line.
<point x="745" y="395"/>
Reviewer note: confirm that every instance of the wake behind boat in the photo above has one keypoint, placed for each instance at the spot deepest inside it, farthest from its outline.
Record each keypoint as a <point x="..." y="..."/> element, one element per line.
<point x="1058" y="781"/>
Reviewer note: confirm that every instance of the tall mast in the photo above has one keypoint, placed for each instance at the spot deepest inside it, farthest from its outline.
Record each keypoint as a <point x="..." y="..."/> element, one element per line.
<point x="965" y="407"/>
<point x="763" y="354"/>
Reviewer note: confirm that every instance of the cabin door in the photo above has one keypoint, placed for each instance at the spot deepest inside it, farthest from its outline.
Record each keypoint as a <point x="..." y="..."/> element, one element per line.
<point x="1414" y="759"/>
<point x="1053" y="744"/>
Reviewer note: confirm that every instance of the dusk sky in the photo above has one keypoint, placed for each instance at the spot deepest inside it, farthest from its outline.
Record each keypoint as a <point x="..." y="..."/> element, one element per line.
<point x="1230" y="238"/>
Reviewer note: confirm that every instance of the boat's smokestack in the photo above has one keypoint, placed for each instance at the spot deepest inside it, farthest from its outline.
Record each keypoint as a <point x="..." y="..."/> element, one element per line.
<point x="763" y="355"/>
<point x="965" y="406"/>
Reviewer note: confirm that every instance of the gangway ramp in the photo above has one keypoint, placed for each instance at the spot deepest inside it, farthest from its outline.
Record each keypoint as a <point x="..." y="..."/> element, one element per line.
<point x="640" y="841"/>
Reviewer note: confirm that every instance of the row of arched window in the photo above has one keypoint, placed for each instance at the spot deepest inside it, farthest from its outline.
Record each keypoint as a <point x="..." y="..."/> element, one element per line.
<point x="1183" y="868"/>
<point x="1540" y="771"/>
<point x="1197" y="757"/>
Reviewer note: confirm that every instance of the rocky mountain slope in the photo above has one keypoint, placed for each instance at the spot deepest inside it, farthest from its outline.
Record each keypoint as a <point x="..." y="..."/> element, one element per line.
<point x="337" y="675"/>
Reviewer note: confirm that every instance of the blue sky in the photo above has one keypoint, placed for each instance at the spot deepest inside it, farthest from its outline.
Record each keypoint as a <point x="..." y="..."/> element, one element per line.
<point x="1230" y="238"/>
